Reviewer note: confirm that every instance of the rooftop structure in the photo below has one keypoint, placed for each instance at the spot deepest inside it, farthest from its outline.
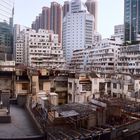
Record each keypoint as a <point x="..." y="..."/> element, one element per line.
<point x="79" y="120"/>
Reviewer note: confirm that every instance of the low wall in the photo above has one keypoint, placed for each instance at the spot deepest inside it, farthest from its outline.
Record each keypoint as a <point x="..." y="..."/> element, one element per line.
<point x="21" y="99"/>
<point x="25" y="138"/>
<point x="5" y="119"/>
<point x="28" y="104"/>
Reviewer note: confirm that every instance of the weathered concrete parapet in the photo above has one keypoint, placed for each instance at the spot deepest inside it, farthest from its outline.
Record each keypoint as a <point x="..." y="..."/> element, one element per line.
<point x="28" y="108"/>
<point x="5" y="107"/>
<point x="22" y="99"/>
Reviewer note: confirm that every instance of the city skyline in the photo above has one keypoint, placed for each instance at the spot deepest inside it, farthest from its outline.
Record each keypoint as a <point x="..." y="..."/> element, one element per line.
<point x="110" y="13"/>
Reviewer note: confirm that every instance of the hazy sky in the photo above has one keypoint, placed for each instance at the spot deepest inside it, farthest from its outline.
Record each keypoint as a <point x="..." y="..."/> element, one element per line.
<point x="110" y="13"/>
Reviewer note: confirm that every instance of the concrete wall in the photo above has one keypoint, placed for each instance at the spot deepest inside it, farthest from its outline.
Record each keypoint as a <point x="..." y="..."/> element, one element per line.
<point x="119" y="91"/>
<point x="92" y="121"/>
<point x="77" y="93"/>
<point x="71" y="90"/>
<point x="101" y="117"/>
<point x="18" y="87"/>
<point x="21" y="100"/>
<point x="53" y="99"/>
<point x="5" y="119"/>
<point x="5" y="84"/>
<point x="137" y="85"/>
<point x="35" y="84"/>
<point x="19" y="90"/>
<point x="114" y="111"/>
<point x="95" y="84"/>
<point x="5" y="99"/>
<point x="47" y="86"/>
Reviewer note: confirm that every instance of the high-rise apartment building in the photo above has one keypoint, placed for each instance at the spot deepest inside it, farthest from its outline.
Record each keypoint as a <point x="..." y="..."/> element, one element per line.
<point x="92" y="6"/>
<point x="77" y="29"/>
<point x="50" y="19"/>
<point x="103" y="57"/>
<point x="66" y="8"/>
<point x="129" y="59"/>
<point x="39" y="49"/>
<point x="131" y="19"/>
<point x="6" y="29"/>
<point x="43" y="20"/>
<point x="46" y="18"/>
<point x="56" y="19"/>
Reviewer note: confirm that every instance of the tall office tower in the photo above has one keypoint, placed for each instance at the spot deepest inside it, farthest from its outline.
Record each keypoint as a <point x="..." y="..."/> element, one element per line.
<point x="77" y="29"/>
<point x="92" y="8"/>
<point x="131" y="19"/>
<point x="6" y="29"/>
<point x="66" y="8"/>
<point x="56" y="19"/>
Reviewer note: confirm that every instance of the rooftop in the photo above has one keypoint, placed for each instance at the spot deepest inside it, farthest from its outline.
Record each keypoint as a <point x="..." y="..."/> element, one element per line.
<point x="21" y="125"/>
<point x="76" y="109"/>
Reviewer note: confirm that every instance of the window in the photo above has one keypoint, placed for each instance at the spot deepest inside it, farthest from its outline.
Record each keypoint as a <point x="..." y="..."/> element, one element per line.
<point x="114" y="85"/>
<point x="120" y="86"/>
<point x="70" y="97"/>
<point x="108" y="85"/>
<point x="24" y="86"/>
<point x="70" y="85"/>
<point x="86" y="87"/>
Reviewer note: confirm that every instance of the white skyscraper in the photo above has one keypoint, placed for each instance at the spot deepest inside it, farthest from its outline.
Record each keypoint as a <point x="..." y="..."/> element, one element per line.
<point x="77" y="29"/>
